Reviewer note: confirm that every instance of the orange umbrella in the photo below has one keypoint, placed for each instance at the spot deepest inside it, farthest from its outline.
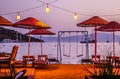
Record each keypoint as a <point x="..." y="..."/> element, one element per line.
<point x="93" y="22"/>
<point x="41" y="32"/>
<point x="30" y="23"/>
<point x="110" y="27"/>
<point x="5" y="22"/>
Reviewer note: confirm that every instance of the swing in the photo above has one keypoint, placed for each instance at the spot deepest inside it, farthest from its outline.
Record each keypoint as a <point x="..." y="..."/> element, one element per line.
<point x="67" y="45"/>
<point x="64" y="46"/>
<point x="78" y="55"/>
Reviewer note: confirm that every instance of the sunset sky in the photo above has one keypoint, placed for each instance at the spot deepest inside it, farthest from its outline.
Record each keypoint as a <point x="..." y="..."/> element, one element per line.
<point x="61" y="12"/>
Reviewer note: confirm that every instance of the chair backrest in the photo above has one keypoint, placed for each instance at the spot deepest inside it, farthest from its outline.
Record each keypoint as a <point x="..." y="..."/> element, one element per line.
<point x="13" y="55"/>
<point x="96" y="56"/>
<point x="112" y="57"/>
<point x="42" y="57"/>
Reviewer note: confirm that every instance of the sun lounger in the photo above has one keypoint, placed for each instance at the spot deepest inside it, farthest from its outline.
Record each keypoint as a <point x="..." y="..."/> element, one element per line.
<point x="42" y="60"/>
<point x="95" y="59"/>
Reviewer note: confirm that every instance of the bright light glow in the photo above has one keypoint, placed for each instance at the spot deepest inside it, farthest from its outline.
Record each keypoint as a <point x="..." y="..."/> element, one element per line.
<point x="47" y="9"/>
<point x="18" y="16"/>
<point x="75" y="16"/>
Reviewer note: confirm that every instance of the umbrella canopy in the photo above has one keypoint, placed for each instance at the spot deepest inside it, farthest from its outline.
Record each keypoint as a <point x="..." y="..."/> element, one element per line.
<point x="93" y="22"/>
<point x="110" y="27"/>
<point x="30" y="23"/>
<point x="41" y="32"/>
<point x="5" y="22"/>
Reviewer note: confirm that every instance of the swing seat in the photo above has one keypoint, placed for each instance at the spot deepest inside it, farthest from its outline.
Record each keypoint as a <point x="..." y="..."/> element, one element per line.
<point x="66" y="55"/>
<point x="86" y="61"/>
<point x="80" y="55"/>
<point x="53" y="60"/>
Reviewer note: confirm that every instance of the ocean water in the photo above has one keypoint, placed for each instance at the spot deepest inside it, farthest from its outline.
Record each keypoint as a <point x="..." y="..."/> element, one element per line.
<point x="71" y="53"/>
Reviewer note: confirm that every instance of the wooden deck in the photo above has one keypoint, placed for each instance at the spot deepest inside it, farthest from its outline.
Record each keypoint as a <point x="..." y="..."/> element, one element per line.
<point x="59" y="71"/>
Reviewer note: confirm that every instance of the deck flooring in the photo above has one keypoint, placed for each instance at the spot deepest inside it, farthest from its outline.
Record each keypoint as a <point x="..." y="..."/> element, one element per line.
<point x="60" y="71"/>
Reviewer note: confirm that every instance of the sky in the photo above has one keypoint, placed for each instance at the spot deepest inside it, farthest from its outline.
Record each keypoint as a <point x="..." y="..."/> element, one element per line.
<point x="60" y="17"/>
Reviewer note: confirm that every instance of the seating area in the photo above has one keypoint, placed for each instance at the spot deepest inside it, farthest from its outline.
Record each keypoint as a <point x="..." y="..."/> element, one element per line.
<point x="98" y="60"/>
<point x="42" y="60"/>
<point x="10" y="60"/>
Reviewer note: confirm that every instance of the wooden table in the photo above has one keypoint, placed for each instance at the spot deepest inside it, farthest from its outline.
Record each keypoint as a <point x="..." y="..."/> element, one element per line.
<point x="28" y="59"/>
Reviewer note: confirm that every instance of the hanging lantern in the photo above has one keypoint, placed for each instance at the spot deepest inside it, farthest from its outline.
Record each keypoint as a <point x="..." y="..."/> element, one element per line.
<point x="75" y="16"/>
<point x="47" y="9"/>
<point x="18" y="16"/>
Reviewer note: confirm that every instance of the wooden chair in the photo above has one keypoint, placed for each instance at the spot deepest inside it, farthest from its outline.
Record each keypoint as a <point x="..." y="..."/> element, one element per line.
<point x="11" y="60"/>
<point x="42" y="60"/>
<point x="95" y="59"/>
<point x="114" y="59"/>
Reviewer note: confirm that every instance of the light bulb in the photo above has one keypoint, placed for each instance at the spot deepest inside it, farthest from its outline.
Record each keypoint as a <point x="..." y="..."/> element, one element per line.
<point x="18" y="16"/>
<point x="47" y="9"/>
<point x="75" y="16"/>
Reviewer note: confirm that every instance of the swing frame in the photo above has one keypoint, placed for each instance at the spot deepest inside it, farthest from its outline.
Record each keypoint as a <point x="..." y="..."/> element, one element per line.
<point x="59" y="51"/>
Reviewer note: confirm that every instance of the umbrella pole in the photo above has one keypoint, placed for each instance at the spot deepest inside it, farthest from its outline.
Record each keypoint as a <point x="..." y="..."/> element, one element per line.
<point x="29" y="43"/>
<point x="95" y="42"/>
<point x="113" y="43"/>
<point x="41" y="44"/>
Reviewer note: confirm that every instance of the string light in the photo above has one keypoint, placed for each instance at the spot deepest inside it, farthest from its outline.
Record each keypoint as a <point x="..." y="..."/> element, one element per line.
<point x="75" y="16"/>
<point x="47" y="9"/>
<point x="18" y="16"/>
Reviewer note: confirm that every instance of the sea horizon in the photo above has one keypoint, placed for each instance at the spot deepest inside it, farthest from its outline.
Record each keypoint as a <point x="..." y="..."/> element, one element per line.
<point x="69" y="53"/>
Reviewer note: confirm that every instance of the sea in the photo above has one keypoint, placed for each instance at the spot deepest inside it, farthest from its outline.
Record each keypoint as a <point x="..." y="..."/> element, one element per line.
<point x="71" y="53"/>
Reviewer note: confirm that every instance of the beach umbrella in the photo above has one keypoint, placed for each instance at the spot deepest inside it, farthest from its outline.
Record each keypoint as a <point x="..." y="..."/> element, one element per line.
<point x="30" y="23"/>
<point x="110" y="27"/>
<point x="93" y="22"/>
<point x="41" y="32"/>
<point x="5" y="22"/>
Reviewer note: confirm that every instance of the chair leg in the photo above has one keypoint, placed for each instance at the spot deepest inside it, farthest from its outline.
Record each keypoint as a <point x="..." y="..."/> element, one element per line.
<point x="12" y="70"/>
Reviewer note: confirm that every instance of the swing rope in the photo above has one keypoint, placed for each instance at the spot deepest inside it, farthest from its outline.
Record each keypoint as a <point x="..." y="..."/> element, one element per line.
<point x="63" y="43"/>
<point x="64" y="52"/>
<point x="78" y="55"/>
<point x="69" y="44"/>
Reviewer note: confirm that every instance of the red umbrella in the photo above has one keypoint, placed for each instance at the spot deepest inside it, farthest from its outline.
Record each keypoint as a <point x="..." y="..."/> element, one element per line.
<point x="93" y="22"/>
<point x="110" y="27"/>
<point x="30" y="23"/>
<point x="41" y="32"/>
<point x="5" y="22"/>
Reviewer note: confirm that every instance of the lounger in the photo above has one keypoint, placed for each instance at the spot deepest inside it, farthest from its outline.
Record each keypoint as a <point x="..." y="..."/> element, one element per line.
<point x="42" y="60"/>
